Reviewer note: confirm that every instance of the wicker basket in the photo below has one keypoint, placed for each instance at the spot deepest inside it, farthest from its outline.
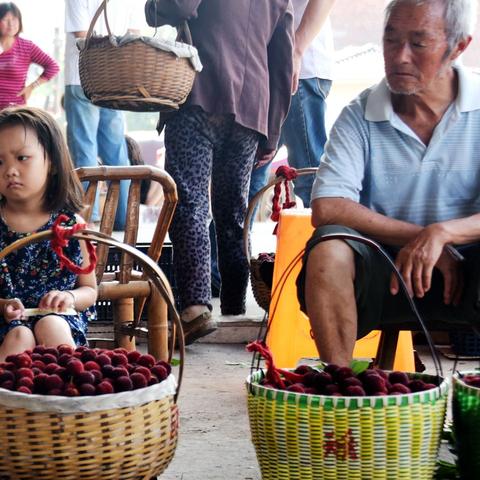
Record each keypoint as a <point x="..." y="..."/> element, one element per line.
<point x="313" y="437"/>
<point x="135" y="441"/>
<point x="262" y="290"/>
<point x="466" y="426"/>
<point x="134" y="76"/>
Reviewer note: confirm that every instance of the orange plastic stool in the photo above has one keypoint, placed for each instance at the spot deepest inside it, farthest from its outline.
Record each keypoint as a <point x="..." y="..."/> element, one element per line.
<point x="289" y="334"/>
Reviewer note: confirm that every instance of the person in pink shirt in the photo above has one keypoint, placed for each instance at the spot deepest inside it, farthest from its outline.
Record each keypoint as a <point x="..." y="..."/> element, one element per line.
<point x="16" y="55"/>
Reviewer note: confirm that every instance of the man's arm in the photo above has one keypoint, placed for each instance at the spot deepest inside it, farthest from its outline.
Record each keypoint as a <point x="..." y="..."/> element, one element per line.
<point x="313" y="20"/>
<point x="280" y="71"/>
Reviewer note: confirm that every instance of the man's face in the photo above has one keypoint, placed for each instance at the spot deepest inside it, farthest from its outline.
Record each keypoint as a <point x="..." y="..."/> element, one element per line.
<point x="415" y="47"/>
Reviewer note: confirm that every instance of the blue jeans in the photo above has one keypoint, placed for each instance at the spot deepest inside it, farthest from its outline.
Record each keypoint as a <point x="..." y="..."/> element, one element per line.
<point x="94" y="132"/>
<point x="303" y="133"/>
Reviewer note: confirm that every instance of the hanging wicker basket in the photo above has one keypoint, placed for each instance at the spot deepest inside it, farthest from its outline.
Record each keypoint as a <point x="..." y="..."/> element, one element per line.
<point x="134" y="76"/>
<point x="122" y="436"/>
<point x="261" y="286"/>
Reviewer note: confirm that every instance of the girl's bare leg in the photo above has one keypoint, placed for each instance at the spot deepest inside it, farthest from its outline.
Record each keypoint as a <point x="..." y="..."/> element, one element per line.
<point x="16" y="340"/>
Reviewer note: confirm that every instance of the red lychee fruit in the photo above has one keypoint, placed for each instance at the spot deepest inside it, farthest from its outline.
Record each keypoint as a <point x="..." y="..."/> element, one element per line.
<point x="119" y="372"/>
<point x="88" y="355"/>
<point x="343" y="372"/>
<point x="98" y="375"/>
<point x="351" y="381"/>
<point x="331" y="389"/>
<point x="103" y="359"/>
<point x="25" y="382"/>
<point x="303" y="369"/>
<point x="23" y="360"/>
<point x="118" y="359"/>
<point x="107" y="370"/>
<point x="138" y="380"/>
<point x="399" y="389"/>
<point x="322" y="379"/>
<point x="84" y="377"/>
<point x="430" y="386"/>
<point x="416" y="385"/>
<point x="49" y="358"/>
<point x="87" y="389"/>
<point x="64" y="358"/>
<point x="38" y="364"/>
<point x="74" y="366"/>
<point x="146" y="360"/>
<point x="91" y="365"/>
<point x="374" y="383"/>
<point x="55" y="391"/>
<point x="71" y="391"/>
<point x="159" y="371"/>
<point x="53" y="382"/>
<point x="52" y="351"/>
<point x="51" y="368"/>
<point x="123" y="384"/>
<point x="65" y="350"/>
<point x="24" y="372"/>
<point x="167" y="366"/>
<point x="133" y="356"/>
<point x="154" y="380"/>
<point x="398" y="377"/>
<point x="331" y="368"/>
<point x="23" y="389"/>
<point x="296" y="387"/>
<point x="7" y="384"/>
<point x="7" y="375"/>
<point x="355" y="391"/>
<point x="39" y="349"/>
<point x="121" y="350"/>
<point x="104" y="388"/>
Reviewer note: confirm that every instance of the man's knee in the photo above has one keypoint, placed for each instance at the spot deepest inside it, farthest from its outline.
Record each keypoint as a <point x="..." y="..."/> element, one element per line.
<point x="327" y="258"/>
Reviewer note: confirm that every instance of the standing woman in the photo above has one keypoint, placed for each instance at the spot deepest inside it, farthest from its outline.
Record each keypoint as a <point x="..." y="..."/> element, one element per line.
<point x="16" y="56"/>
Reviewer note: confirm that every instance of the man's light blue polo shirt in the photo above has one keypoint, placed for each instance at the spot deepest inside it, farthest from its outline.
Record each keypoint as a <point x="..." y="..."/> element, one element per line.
<point x="374" y="158"/>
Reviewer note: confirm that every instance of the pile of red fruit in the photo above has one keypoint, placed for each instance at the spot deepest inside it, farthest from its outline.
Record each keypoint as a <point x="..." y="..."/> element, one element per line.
<point x="342" y="381"/>
<point x="80" y="372"/>
<point x="472" y="379"/>
<point x="337" y="381"/>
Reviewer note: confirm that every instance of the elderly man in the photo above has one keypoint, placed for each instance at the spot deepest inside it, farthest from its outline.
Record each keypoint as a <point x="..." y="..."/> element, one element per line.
<point x="402" y="167"/>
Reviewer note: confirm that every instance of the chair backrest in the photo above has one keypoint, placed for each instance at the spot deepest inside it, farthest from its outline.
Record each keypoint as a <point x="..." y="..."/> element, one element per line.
<point x="111" y="176"/>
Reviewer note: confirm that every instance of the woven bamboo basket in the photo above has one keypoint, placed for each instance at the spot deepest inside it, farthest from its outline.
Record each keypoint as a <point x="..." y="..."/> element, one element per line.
<point x="262" y="291"/>
<point x="134" y="76"/>
<point x="466" y="425"/>
<point x="313" y="437"/>
<point x="136" y="441"/>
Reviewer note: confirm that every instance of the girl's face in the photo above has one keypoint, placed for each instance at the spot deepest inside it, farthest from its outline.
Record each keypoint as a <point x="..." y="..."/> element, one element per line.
<point x="9" y="25"/>
<point x="24" y="166"/>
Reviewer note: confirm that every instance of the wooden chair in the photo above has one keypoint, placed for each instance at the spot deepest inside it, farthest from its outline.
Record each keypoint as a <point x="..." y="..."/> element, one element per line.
<point x="127" y="288"/>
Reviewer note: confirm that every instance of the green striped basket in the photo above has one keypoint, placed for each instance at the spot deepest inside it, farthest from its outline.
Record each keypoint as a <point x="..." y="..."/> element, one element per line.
<point x="466" y="426"/>
<point x="307" y="437"/>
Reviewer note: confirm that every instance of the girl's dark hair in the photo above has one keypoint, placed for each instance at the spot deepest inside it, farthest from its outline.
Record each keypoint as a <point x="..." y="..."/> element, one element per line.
<point x="64" y="190"/>
<point x="11" y="7"/>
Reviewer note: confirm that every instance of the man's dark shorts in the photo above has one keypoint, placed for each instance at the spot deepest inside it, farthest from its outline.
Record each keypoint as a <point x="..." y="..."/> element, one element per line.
<point x="377" y="307"/>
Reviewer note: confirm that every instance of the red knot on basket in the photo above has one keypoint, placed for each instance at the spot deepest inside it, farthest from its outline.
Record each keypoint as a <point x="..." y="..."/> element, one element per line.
<point x="287" y="173"/>
<point x="273" y="374"/>
<point x="60" y="240"/>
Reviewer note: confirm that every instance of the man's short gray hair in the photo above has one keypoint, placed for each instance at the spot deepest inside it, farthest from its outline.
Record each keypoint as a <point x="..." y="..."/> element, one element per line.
<point x="460" y="17"/>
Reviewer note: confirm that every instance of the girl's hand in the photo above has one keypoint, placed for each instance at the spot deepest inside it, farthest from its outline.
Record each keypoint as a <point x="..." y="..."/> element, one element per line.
<point x="57" y="300"/>
<point x="13" y="309"/>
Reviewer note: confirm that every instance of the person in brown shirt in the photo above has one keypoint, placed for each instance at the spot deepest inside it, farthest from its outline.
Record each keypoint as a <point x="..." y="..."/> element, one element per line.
<point x="231" y="119"/>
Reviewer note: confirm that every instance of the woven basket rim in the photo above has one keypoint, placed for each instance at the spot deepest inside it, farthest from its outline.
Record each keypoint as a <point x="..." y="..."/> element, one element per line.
<point x="88" y="404"/>
<point x="348" y="402"/>
<point x="458" y="382"/>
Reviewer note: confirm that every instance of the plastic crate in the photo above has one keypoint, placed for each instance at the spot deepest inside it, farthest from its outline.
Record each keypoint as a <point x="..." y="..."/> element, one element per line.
<point x="104" y="307"/>
<point x="466" y="343"/>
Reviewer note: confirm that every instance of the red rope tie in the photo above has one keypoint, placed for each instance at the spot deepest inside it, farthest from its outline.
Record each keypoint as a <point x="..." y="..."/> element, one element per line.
<point x="273" y="374"/>
<point x="288" y="174"/>
<point x="60" y="240"/>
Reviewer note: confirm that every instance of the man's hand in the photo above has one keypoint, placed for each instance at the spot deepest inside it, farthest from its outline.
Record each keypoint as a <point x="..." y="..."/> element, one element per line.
<point x="297" y="62"/>
<point x="417" y="259"/>
<point x="264" y="156"/>
<point x="13" y="309"/>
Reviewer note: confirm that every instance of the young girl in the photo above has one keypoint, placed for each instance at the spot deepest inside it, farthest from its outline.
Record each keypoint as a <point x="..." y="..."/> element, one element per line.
<point x="37" y="184"/>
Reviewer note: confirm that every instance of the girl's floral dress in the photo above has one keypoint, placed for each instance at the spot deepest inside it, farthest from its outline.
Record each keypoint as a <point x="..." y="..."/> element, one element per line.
<point x="32" y="271"/>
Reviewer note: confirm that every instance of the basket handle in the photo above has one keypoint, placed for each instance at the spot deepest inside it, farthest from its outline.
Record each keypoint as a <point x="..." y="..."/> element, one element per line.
<point x="100" y="9"/>
<point x="150" y="268"/>
<point x="184" y="32"/>
<point x="256" y="198"/>
<point x="398" y="275"/>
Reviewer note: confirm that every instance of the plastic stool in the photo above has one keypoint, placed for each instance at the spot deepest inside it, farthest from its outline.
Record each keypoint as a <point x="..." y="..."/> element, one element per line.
<point x="289" y="334"/>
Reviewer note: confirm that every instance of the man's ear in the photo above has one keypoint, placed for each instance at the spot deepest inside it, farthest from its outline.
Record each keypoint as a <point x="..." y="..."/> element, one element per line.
<point x="460" y="47"/>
